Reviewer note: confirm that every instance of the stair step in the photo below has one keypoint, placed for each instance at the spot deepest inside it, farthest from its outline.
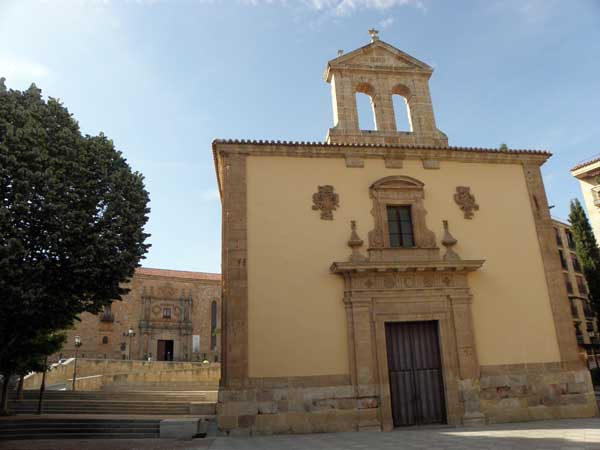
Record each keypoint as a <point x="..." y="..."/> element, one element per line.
<point x="76" y="426"/>
<point x="66" y="429"/>
<point x="83" y="436"/>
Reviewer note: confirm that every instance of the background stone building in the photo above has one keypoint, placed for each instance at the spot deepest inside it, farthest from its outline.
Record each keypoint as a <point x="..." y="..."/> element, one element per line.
<point x="588" y="174"/>
<point x="584" y="319"/>
<point x="175" y="315"/>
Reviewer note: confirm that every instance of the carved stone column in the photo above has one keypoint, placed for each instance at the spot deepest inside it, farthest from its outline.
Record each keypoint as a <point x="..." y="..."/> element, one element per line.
<point x="468" y="363"/>
<point x="366" y="375"/>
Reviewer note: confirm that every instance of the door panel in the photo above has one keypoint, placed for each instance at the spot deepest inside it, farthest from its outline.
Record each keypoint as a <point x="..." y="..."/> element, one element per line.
<point x="160" y="350"/>
<point x="416" y="386"/>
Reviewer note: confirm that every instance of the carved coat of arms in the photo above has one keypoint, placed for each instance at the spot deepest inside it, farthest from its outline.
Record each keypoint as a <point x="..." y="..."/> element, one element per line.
<point x="466" y="201"/>
<point x="326" y="201"/>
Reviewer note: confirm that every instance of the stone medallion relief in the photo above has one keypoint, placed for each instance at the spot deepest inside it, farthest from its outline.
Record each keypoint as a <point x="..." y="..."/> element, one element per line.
<point x="466" y="201"/>
<point x="326" y="201"/>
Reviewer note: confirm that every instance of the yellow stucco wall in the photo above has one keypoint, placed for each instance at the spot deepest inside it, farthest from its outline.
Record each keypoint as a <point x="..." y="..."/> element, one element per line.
<point x="297" y="324"/>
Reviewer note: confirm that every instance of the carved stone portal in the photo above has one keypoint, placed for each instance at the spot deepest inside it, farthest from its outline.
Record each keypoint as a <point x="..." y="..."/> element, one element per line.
<point x="466" y="201"/>
<point x="326" y="201"/>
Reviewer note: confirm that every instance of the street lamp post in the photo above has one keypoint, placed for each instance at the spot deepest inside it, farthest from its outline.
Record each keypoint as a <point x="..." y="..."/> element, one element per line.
<point x="130" y="334"/>
<point x="77" y="345"/>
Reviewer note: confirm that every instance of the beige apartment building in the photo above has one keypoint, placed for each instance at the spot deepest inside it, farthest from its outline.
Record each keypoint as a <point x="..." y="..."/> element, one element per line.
<point x="588" y="174"/>
<point x="383" y="278"/>
<point x="168" y="315"/>
<point x="584" y="319"/>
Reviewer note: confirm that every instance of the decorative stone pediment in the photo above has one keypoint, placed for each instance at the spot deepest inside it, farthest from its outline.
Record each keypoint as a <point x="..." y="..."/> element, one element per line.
<point x="378" y="55"/>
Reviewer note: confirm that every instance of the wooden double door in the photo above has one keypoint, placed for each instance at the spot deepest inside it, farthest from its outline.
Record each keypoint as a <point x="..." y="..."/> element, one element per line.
<point x="415" y="373"/>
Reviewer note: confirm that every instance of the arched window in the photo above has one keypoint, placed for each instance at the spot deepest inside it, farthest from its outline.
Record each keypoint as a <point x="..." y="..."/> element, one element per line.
<point x="365" y="107"/>
<point x="213" y="325"/>
<point x="401" y="100"/>
<point x="104" y="340"/>
<point x="365" y="111"/>
<point x="401" y="113"/>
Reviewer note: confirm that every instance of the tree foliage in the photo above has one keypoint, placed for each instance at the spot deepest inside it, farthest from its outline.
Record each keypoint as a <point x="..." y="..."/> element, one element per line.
<point x="587" y="251"/>
<point x="72" y="214"/>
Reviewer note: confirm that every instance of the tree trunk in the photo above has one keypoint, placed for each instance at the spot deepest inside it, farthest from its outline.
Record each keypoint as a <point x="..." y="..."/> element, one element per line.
<point x="43" y="386"/>
<point x="4" y="403"/>
<point x="20" y="387"/>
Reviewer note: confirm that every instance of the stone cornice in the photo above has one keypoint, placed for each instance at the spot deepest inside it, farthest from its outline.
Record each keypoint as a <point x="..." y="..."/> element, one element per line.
<point x="407" y="266"/>
<point x="374" y="151"/>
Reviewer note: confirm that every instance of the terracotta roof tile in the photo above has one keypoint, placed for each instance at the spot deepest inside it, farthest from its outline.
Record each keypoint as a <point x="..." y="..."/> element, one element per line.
<point x="593" y="160"/>
<point x="326" y="144"/>
<point x="178" y="274"/>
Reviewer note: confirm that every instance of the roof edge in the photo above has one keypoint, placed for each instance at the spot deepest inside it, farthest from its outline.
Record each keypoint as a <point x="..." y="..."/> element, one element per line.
<point x="171" y="273"/>
<point x="587" y="162"/>
<point x="353" y="145"/>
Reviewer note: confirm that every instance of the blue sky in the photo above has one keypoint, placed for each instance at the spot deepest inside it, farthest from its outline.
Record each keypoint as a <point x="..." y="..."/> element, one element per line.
<point x="163" y="78"/>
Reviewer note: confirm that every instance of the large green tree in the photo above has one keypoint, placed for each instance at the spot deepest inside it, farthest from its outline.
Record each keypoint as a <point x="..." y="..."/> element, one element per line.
<point x="587" y="251"/>
<point x="72" y="216"/>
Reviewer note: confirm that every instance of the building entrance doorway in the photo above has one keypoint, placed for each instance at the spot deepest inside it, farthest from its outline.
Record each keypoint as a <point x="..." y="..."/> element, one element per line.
<point x="164" y="351"/>
<point x="415" y="373"/>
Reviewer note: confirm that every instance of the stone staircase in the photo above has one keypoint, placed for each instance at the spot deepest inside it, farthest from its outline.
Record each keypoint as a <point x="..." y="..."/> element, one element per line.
<point x="78" y="428"/>
<point x="173" y="386"/>
<point x="165" y="403"/>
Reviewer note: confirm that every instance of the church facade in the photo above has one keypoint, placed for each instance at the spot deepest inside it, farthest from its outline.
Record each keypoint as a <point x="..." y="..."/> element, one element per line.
<point x="384" y="278"/>
<point x="168" y="315"/>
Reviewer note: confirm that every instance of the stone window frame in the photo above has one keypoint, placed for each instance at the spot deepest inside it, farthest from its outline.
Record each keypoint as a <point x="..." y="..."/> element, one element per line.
<point x="399" y="190"/>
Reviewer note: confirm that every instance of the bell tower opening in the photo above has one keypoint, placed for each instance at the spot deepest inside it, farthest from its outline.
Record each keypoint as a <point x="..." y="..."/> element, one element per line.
<point x="402" y="113"/>
<point x="365" y="107"/>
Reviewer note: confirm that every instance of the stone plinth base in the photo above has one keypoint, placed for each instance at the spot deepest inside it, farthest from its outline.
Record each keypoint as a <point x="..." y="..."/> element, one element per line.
<point x="522" y="392"/>
<point x="292" y="409"/>
<point x="507" y="393"/>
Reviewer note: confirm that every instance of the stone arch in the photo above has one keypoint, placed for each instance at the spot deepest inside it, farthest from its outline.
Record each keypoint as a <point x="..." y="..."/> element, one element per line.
<point x="366" y="89"/>
<point x="401" y="98"/>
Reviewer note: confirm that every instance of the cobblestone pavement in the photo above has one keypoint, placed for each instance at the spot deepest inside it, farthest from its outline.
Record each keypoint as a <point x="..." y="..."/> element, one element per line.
<point x="556" y="434"/>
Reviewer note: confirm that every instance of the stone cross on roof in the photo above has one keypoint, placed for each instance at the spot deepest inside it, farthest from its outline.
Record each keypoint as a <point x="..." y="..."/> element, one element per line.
<point x="374" y="34"/>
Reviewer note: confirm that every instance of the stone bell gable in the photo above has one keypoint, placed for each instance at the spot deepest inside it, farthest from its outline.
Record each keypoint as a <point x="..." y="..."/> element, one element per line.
<point x="381" y="71"/>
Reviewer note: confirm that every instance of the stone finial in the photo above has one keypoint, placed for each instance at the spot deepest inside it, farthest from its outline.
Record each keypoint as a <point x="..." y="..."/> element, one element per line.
<point x="340" y="52"/>
<point x="374" y="34"/>
<point x="355" y="243"/>
<point x="449" y="241"/>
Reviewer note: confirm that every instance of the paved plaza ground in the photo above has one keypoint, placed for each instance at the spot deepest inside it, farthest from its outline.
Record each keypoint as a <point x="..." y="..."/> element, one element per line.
<point x="557" y="434"/>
